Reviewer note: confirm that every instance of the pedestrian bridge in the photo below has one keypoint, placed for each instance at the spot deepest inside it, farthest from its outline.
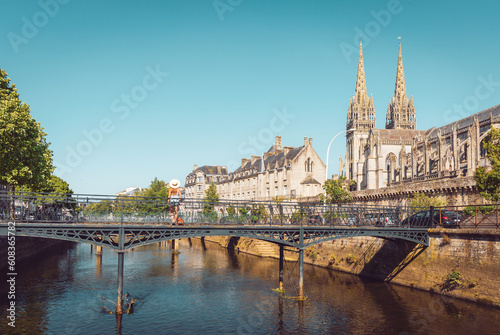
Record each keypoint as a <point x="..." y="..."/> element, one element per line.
<point x="123" y="223"/>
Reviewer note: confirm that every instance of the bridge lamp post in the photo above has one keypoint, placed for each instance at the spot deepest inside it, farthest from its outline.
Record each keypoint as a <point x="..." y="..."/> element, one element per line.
<point x="328" y="150"/>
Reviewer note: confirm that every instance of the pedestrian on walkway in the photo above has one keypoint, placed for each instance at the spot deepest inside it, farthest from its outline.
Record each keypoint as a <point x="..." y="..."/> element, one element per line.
<point x="175" y="196"/>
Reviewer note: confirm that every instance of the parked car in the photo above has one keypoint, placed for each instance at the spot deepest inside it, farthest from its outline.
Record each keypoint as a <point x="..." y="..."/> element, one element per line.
<point x="444" y="218"/>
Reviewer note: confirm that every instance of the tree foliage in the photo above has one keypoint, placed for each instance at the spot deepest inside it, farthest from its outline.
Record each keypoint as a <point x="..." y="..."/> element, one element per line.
<point x="488" y="181"/>
<point x="147" y="202"/>
<point x="211" y="196"/>
<point x="157" y="189"/>
<point x="101" y="207"/>
<point x="422" y="200"/>
<point x="24" y="152"/>
<point x="54" y="185"/>
<point x="336" y="191"/>
<point x="158" y="194"/>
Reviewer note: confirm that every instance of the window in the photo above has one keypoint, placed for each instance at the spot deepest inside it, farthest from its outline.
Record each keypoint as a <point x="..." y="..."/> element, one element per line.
<point x="276" y="190"/>
<point x="308" y="165"/>
<point x="200" y="179"/>
<point x="284" y="190"/>
<point x="482" y="151"/>
<point x="200" y="188"/>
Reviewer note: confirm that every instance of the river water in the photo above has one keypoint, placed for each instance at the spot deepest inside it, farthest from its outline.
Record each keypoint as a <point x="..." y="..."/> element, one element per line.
<point x="209" y="290"/>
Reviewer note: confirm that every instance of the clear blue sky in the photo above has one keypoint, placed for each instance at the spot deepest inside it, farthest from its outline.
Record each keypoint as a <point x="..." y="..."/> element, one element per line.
<point x="132" y="90"/>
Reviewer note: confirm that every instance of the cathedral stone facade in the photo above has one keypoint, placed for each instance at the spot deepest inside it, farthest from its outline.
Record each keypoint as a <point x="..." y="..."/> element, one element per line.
<point x="392" y="163"/>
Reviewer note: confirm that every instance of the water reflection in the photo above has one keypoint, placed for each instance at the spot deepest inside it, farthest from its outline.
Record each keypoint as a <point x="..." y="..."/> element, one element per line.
<point x="207" y="289"/>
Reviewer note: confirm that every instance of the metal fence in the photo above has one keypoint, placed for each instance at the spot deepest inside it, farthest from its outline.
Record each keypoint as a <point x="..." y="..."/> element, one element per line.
<point x="78" y="208"/>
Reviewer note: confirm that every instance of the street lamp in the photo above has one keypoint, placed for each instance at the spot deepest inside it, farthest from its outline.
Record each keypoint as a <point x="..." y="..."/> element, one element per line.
<point x="328" y="150"/>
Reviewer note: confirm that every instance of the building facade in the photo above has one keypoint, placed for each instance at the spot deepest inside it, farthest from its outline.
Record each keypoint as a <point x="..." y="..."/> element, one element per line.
<point x="286" y="172"/>
<point x="401" y="154"/>
<point x="198" y="181"/>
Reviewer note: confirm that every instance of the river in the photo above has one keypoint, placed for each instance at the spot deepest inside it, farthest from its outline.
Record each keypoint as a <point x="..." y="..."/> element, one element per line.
<point x="209" y="290"/>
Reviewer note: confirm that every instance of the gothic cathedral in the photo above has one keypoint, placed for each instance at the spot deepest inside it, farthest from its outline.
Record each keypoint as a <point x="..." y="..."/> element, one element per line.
<point x="399" y="154"/>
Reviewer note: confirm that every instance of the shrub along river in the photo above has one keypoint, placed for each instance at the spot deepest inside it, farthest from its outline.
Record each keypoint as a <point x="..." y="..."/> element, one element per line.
<point x="209" y="290"/>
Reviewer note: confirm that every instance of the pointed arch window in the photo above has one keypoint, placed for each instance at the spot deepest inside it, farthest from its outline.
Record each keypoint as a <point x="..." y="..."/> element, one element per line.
<point x="482" y="151"/>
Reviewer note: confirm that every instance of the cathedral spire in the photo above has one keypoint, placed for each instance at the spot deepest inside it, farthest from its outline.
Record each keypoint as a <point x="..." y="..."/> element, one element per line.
<point x="361" y="112"/>
<point x="400" y="87"/>
<point x="401" y="112"/>
<point x="360" y="93"/>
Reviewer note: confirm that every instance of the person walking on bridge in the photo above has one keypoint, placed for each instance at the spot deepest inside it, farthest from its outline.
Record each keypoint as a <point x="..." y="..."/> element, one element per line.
<point x="175" y="196"/>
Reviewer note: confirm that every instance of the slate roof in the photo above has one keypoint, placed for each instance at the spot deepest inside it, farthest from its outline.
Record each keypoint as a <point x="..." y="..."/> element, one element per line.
<point x="466" y="122"/>
<point x="270" y="160"/>
<point x="404" y="135"/>
<point x="211" y="170"/>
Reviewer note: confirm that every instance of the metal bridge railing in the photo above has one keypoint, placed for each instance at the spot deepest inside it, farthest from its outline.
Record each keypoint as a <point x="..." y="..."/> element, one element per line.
<point x="82" y="208"/>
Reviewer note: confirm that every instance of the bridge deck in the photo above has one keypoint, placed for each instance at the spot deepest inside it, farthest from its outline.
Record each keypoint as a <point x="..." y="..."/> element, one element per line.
<point x="126" y="236"/>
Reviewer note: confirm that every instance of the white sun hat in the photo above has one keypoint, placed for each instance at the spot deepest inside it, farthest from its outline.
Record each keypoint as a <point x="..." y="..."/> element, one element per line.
<point x="174" y="183"/>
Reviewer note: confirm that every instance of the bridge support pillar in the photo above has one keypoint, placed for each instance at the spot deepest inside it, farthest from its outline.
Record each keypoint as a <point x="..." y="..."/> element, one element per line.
<point x="119" y="299"/>
<point x="281" y="268"/>
<point x="301" y="274"/>
<point x="98" y="260"/>
<point x="98" y="250"/>
<point x="175" y="246"/>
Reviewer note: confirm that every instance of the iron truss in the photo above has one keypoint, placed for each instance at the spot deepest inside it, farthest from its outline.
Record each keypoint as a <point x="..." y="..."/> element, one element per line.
<point x="124" y="237"/>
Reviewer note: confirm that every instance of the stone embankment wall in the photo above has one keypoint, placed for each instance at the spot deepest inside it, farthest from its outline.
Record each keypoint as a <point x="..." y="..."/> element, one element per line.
<point x="474" y="255"/>
<point x="25" y="247"/>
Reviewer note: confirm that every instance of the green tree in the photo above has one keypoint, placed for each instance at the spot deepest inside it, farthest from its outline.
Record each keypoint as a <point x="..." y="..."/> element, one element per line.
<point x="54" y="185"/>
<point x="24" y="153"/>
<point x="58" y="185"/>
<point x="422" y="200"/>
<point x="157" y="189"/>
<point x="337" y="191"/>
<point x="211" y="197"/>
<point x="157" y="194"/>
<point x="99" y="208"/>
<point x="231" y="210"/>
<point x="488" y="181"/>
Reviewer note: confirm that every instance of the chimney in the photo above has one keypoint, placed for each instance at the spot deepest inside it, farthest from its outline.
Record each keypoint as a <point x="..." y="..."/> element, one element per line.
<point x="305" y="141"/>
<point x="287" y="149"/>
<point x="254" y="159"/>
<point x="244" y="161"/>
<point x="277" y="146"/>
<point x="310" y="141"/>
<point x="195" y="167"/>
